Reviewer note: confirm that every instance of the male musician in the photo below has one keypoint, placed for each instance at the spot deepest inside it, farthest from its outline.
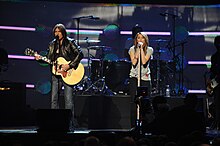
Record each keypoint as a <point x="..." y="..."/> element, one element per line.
<point x="63" y="46"/>
<point x="215" y="74"/>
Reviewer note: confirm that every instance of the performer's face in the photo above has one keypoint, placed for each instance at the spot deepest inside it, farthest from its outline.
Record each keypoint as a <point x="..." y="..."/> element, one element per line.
<point x="58" y="33"/>
<point x="141" y="38"/>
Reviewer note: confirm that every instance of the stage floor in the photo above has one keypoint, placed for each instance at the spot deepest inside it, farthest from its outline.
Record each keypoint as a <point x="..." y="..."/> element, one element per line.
<point x="33" y="130"/>
<point x="28" y="135"/>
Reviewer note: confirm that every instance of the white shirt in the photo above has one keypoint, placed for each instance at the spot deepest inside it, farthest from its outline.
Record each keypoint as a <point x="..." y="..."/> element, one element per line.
<point x="145" y="70"/>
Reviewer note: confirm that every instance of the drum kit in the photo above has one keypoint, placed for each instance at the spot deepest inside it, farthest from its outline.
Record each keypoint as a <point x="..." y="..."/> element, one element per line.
<point x="106" y="76"/>
<point x="162" y="68"/>
<point x="94" y="82"/>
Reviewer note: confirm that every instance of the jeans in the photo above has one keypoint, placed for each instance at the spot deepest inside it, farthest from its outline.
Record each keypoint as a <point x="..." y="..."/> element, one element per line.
<point x="217" y="104"/>
<point x="56" y="91"/>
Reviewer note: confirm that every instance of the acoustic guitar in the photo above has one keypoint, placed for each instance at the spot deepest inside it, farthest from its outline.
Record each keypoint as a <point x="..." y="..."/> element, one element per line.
<point x="70" y="77"/>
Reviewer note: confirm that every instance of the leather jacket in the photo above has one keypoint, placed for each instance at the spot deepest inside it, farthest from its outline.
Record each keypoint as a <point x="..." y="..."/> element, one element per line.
<point x="69" y="50"/>
<point x="215" y="66"/>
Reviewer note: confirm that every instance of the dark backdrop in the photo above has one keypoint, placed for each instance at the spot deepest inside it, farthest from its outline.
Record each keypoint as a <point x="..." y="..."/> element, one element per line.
<point x="43" y="15"/>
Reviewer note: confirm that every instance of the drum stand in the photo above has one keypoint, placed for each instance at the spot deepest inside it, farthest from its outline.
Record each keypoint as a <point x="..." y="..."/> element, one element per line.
<point x="158" y="90"/>
<point x="86" y="82"/>
<point x="99" y="86"/>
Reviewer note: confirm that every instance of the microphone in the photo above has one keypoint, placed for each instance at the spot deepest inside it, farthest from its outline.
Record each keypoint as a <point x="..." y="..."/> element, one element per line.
<point x="87" y="17"/>
<point x="140" y="44"/>
<point x="94" y="18"/>
<point x="57" y="37"/>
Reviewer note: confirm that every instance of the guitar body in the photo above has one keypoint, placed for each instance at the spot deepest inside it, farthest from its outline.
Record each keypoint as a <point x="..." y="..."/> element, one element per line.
<point x="70" y="77"/>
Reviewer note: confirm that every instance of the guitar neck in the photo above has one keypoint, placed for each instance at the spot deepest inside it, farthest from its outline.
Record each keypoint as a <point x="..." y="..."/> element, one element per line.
<point x="31" y="52"/>
<point x="45" y="59"/>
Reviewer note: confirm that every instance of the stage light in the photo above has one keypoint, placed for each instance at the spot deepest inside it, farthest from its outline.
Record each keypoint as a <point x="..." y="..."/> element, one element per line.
<point x="111" y="32"/>
<point x="43" y="86"/>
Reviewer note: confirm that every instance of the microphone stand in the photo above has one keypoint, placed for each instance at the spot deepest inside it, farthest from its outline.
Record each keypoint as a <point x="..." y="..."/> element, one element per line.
<point x="138" y="120"/>
<point x="78" y="22"/>
<point x="174" y="40"/>
<point x="173" y="16"/>
<point x="181" y="78"/>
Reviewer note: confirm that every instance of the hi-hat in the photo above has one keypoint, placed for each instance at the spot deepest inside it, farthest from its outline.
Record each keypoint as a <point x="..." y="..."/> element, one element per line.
<point x="89" y="41"/>
<point x="104" y="48"/>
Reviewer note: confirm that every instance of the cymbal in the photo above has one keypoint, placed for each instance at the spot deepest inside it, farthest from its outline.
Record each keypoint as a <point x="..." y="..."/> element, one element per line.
<point x="104" y="48"/>
<point x="89" y="41"/>
<point x="160" y="51"/>
<point x="159" y="40"/>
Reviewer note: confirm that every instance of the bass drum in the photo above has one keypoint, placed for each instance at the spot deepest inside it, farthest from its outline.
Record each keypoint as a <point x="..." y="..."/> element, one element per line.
<point x="117" y="76"/>
<point x="96" y="69"/>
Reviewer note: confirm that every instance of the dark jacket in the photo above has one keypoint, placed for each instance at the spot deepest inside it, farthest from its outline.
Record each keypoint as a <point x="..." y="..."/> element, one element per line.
<point x="215" y="67"/>
<point x="70" y="51"/>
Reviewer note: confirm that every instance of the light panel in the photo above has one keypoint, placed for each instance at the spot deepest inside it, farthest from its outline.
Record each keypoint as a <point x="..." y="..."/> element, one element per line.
<point x="199" y="62"/>
<point x="197" y="91"/>
<point x="100" y="32"/>
<point x="83" y="61"/>
<point x="30" y="86"/>
<point x="20" y="57"/>
<point x="17" y="28"/>
<point x="148" y="33"/>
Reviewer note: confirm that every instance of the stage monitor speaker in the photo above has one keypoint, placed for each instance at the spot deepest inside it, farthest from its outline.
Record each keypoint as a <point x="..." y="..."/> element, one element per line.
<point x="12" y="103"/>
<point x="53" y="120"/>
<point x="12" y="95"/>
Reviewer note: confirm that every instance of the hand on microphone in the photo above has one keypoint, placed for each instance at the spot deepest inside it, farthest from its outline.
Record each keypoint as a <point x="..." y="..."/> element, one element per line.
<point x="140" y="44"/>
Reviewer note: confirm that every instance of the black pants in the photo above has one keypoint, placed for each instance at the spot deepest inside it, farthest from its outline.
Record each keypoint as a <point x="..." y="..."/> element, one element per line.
<point x="133" y="84"/>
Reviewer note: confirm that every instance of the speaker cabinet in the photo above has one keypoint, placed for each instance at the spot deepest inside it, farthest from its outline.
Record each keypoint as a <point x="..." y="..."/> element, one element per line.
<point x="53" y="120"/>
<point x="13" y="95"/>
<point x="103" y="112"/>
<point x="12" y="103"/>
